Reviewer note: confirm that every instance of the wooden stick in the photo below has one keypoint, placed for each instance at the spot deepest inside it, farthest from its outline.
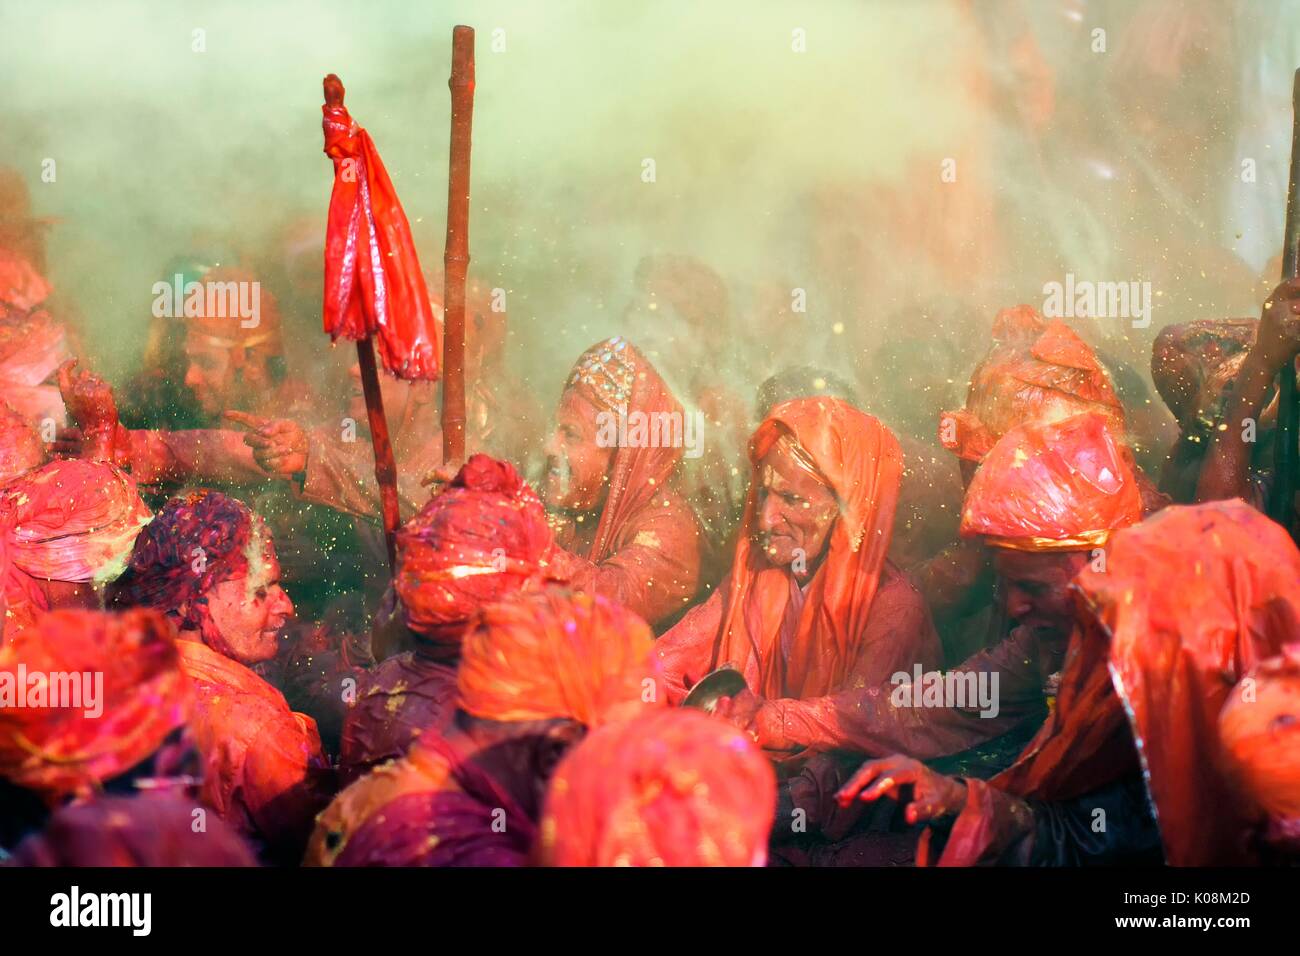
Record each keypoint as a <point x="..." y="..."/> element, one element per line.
<point x="456" y="256"/>
<point x="385" y="464"/>
<point x="1286" y="460"/>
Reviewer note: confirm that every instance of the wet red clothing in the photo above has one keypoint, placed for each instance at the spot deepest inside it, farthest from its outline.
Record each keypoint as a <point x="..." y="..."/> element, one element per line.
<point x="264" y="771"/>
<point x="1191" y="600"/>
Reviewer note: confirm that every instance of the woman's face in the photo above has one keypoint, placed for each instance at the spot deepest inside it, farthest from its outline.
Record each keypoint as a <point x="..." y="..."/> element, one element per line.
<point x="577" y="466"/>
<point x="247" y="612"/>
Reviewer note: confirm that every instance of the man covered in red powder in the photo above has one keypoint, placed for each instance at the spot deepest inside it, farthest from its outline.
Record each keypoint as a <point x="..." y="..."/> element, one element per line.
<point x="813" y="613"/>
<point x="483" y="537"/>
<point x="623" y="531"/>
<point x="1190" y="602"/>
<point x="669" y="788"/>
<point x="208" y="562"/>
<point x="536" y="672"/>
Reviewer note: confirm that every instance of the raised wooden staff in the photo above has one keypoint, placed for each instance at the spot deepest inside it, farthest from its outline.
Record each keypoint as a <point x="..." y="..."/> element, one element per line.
<point x="456" y="257"/>
<point x="1286" y="460"/>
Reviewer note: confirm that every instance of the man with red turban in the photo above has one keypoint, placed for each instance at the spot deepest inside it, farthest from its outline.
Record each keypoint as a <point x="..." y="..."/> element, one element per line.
<point x="1189" y="602"/>
<point x="812" y="614"/>
<point x="208" y="562"/>
<point x="623" y="531"/>
<point x="68" y="527"/>
<point x="483" y="537"/>
<point x="536" y="672"/>
<point x="1036" y="371"/>
<point x="669" y="788"/>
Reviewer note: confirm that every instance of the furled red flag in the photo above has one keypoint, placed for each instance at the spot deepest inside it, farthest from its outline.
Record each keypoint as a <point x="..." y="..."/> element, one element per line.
<point x="373" y="282"/>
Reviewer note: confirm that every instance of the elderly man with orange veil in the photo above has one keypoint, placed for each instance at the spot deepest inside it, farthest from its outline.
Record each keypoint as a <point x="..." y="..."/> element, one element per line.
<point x="537" y="671"/>
<point x="812" y="613"/>
<point x="623" y="530"/>
<point x="1190" y="602"/>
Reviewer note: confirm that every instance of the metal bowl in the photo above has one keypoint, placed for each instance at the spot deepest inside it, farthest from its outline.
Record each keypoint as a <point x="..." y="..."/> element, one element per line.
<point x="726" y="681"/>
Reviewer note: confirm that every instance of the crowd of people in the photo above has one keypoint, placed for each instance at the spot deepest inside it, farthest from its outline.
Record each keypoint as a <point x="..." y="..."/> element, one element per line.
<point x="1005" y="643"/>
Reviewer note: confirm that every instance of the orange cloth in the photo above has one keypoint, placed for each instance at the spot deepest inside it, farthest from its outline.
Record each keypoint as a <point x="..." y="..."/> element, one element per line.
<point x="128" y="663"/>
<point x="644" y="550"/>
<point x="20" y="447"/>
<point x="1190" y="601"/>
<point x="556" y="654"/>
<point x="263" y="765"/>
<point x="69" y="520"/>
<point x="669" y="788"/>
<point x="1260" y="731"/>
<point x="1036" y="371"/>
<point x="1053" y="487"/>
<point x="483" y="537"/>
<point x="862" y="462"/>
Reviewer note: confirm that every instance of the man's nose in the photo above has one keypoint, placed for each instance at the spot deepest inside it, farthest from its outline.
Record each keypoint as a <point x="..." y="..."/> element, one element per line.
<point x="1018" y="604"/>
<point x="770" y="515"/>
<point x="283" y="605"/>
<point x="193" y="378"/>
<point x="552" y="445"/>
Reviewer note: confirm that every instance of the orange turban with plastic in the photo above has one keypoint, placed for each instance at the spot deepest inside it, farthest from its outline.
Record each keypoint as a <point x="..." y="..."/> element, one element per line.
<point x="1036" y="371"/>
<point x="1259" y="730"/>
<point x="555" y="654"/>
<point x="1062" y="486"/>
<point x="482" y="538"/>
<point x="669" y="788"/>
<point x="85" y="696"/>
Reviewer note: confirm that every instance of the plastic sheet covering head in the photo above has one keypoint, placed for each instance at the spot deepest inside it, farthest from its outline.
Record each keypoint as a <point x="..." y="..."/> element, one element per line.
<point x="1064" y="486"/>
<point x="1036" y="371"/>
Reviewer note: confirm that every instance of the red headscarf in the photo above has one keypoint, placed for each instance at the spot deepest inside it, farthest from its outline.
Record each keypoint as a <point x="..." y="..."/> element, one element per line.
<point x="670" y="788"/>
<point x="613" y="375"/>
<point x="373" y="283"/>
<point x="1063" y="486"/>
<point x="1036" y="371"/>
<point x="556" y="654"/>
<point x="1189" y="602"/>
<point x="485" y="536"/>
<point x="1259" y="729"/>
<point x="264" y="768"/>
<point x="74" y="746"/>
<point x="861" y="462"/>
<point x="70" y="520"/>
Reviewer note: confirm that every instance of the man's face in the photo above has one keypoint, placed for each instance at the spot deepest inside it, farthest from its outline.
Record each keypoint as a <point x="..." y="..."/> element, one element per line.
<point x="248" y="611"/>
<point x="1036" y="589"/>
<point x="795" y="512"/>
<point x="395" y="392"/>
<point x="210" y="375"/>
<point x="577" y="468"/>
